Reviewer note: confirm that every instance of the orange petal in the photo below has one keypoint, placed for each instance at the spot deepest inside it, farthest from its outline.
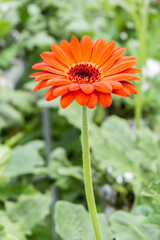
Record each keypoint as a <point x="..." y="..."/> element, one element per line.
<point x="115" y="84"/>
<point x="132" y="89"/>
<point x="76" y="49"/>
<point x="58" y="91"/>
<point x="74" y="86"/>
<point x="105" y="99"/>
<point x="128" y="58"/>
<point x="66" y="46"/>
<point x="87" y="88"/>
<point x="48" y="58"/>
<point x="102" y="87"/>
<point x="45" y="76"/>
<point x="86" y="45"/>
<point x="123" y="92"/>
<point x="98" y="48"/>
<point x="67" y="99"/>
<point x="93" y="100"/>
<point x="112" y="59"/>
<point x="118" y="67"/>
<point x="57" y="82"/>
<point x="81" y="97"/>
<point x="49" y="95"/>
<point x="106" y="53"/>
<point x="33" y="75"/>
<point x="131" y="70"/>
<point x="43" y="66"/>
<point x="121" y="76"/>
<point x="61" y="55"/>
<point x="40" y="85"/>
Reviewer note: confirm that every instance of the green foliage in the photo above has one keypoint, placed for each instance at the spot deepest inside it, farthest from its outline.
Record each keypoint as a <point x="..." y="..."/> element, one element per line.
<point x="25" y="159"/>
<point x="29" y="210"/>
<point x="10" y="229"/>
<point x="40" y="156"/>
<point x="153" y="190"/>
<point x="73" y="222"/>
<point x="5" y="155"/>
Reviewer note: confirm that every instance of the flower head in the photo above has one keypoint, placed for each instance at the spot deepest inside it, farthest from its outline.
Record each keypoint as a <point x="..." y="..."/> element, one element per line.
<point x="86" y="71"/>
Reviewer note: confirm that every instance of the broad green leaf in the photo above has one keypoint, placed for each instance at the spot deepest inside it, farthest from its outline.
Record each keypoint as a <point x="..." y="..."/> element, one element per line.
<point x="74" y="223"/>
<point x="60" y="166"/>
<point x="113" y="128"/>
<point x="14" y="190"/>
<point x="5" y="155"/>
<point x="153" y="190"/>
<point x="106" y="231"/>
<point x="20" y="99"/>
<point x="5" y="27"/>
<point x="43" y="230"/>
<point x="79" y="25"/>
<point x="73" y="171"/>
<point x="39" y="40"/>
<point x="42" y="103"/>
<point x="125" y="225"/>
<point x="9" y="116"/>
<point x="25" y="159"/>
<point x="29" y="210"/>
<point x="73" y="114"/>
<point x="13" y="230"/>
<point x="7" y="55"/>
<point x="142" y="210"/>
<point x="152" y="221"/>
<point x="3" y="234"/>
<point x="108" y="155"/>
<point x="148" y="143"/>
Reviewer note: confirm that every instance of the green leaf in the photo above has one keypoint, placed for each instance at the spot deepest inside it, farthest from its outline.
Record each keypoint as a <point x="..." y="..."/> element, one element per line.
<point x="113" y="128"/>
<point x="3" y="234"/>
<point x="42" y="103"/>
<point x="25" y="159"/>
<point x="108" y="155"/>
<point x="5" y="27"/>
<point x="152" y="221"/>
<point x="8" y="54"/>
<point x="153" y="190"/>
<point x="125" y="225"/>
<point x="20" y="99"/>
<point x="73" y="171"/>
<point x="29" y="210"/>
<point x="39" y="40"/>
<point x="60" y="167"/>
<point x="9" y="116"/>
<point x="74" y="223"/>
<point x="73" y="114"/>
<point x="142" y="210"/>
<point x="5" y="155"/>
<point x="13" y="230"/>
<point x="106" y="232"/>
<point x="79" y="25"/>
<point x="14" y="190"/>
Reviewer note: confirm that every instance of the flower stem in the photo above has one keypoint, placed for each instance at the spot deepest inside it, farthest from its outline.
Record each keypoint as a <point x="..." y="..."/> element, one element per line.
<point x="88" y="176"/>
<point x="141" y="23"/>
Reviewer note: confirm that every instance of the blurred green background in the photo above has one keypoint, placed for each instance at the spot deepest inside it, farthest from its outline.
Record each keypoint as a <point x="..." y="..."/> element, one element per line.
<point x="40" y="148"/>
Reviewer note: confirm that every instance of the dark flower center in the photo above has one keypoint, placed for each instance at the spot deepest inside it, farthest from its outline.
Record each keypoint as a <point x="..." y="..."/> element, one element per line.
<point x="84" y="73"/>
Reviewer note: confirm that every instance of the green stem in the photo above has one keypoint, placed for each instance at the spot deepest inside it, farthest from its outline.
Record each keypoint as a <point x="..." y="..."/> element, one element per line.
<point x="88" y="176"/>
<point x="141" y="24"/>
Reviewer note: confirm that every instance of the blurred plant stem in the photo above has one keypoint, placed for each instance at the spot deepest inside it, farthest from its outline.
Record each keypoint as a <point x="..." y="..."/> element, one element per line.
<point x="88" y="176"/>
<point x="140" y="19"/>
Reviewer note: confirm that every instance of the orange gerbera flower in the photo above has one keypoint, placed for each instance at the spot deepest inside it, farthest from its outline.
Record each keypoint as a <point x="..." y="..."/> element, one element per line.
<point x="86" y="71"/>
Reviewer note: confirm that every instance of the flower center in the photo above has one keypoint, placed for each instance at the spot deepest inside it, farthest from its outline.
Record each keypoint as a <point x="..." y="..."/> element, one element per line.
<point x="84" y="72"/>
